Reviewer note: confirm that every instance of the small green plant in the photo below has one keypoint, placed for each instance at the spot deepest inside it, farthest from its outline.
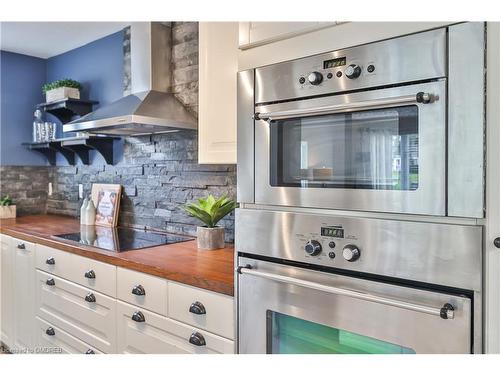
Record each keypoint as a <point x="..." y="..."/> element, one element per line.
<point x="5" y="201"/>
<point x="210" y="210"/>
<point x="67" y="82"/>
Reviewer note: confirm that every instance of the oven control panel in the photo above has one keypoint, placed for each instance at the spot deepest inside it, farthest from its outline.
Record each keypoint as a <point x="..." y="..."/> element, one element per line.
<point x="329" y="243"/>
<point x="394" y="61"/>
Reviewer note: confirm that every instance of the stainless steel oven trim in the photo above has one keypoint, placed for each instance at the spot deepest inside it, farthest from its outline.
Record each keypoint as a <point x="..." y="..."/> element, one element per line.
<point x="420" y="331"/>
<point x="429" y="198"/>
<point x="466" y="119"/>
<point x="437" y="311"/>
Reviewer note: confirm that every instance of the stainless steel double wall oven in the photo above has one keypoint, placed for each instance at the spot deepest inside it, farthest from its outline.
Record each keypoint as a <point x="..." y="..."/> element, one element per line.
<point x="360" y="179"/>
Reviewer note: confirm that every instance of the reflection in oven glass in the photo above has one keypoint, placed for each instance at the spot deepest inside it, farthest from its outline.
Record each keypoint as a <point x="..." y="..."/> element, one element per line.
<point x="376" y="149"/>
<point x="290" y="335"/>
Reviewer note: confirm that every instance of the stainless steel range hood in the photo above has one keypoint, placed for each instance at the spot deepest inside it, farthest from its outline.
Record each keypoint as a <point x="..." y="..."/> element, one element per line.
<point x="151" y="108"/>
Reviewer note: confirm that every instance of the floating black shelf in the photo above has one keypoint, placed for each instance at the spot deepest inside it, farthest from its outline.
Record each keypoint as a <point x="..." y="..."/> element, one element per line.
<point x="66" y="108"/>
<point x="80" y="146"/>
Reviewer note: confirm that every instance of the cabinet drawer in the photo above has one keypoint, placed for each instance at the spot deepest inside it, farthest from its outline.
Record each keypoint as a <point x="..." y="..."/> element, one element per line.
<point x="70" y="307"/>
<point x="217" y="310"/>
<point x="148" y="292"/>
<point x="157" y="334"/>
<point x="84" y="271"/>
<point x="51" y="339"/>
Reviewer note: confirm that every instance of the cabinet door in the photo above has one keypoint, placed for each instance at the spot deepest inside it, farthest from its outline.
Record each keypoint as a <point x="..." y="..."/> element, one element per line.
<point x="24" y="296"/>
<point x="218" y="66"/>
<point x="7" y="291"/>
<point x="253" y="34"/>
<point x="151" y="333"/>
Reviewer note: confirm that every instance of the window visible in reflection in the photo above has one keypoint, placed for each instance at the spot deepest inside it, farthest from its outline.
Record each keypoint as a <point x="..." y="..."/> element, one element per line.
<point x="290" y="335"/>
<point x="376" y="149"/>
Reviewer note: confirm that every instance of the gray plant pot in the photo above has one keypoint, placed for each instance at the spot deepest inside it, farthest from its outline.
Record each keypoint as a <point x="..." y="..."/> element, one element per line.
<point x="210" y="238"/>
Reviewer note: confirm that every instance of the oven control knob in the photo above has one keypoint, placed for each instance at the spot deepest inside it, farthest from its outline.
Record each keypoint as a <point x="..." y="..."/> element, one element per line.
<point x="353" y="71"/>
<point x="313" y="247"/>
<point x="315" y="78"/>
<point x="351" y="253"/>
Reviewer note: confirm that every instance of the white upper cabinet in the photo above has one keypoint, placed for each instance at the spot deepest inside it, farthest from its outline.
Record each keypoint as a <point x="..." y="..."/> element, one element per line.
<point x="253" y="34"/>
<point x="218" y="66"/>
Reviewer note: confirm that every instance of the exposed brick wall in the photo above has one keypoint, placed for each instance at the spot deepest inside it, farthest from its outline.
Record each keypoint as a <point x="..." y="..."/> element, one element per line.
<point x="27" y="186"/>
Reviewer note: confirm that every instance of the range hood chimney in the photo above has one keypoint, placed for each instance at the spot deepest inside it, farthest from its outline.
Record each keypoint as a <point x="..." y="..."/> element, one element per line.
<point x="151" y="108"/>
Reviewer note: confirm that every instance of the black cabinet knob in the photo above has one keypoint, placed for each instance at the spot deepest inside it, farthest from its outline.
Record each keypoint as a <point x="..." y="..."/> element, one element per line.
<point x="50" y="331"/>
<point x="50" y="261"/>
<point x="21" y="246"/>
<point x="197" y="308"/>
<point x="496" y="242"/>
<point x="138" y="317"/>
<point x="90" y="351"/>
<point x="197" y="339"/>
<point x="90" y="274"/>
<point x="90" y="297"/>
<point x="139" y="290"/>
<point x="50" y="282"/>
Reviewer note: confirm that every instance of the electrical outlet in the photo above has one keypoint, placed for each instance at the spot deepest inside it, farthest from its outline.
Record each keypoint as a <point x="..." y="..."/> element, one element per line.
<point x="50" y="189"/>
<point x="80" y="191"/>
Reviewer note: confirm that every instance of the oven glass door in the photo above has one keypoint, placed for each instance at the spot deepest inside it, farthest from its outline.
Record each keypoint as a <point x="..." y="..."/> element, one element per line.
<point x="375" y="149"/>
<point x="285" y="309"/>
<point x="380" y="150"/>
<point x="291" y="335"/>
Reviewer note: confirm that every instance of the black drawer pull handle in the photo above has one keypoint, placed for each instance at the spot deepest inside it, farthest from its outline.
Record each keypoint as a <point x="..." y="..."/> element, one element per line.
<point x="90" y="297"/>
<point x="197" y="308"/>
<point x="50" y="260"/>
<point x="21" y="246"/>
<point x="50" y="331"/>
<point x="90" y="351"/>
<point x="197" y="339"/>
<point x="138" y="317"/>
<point x="496" y="242"/>
<point x="139" y="290"/>
<point x="50" y="282"/>
<point x="90" y="274"/>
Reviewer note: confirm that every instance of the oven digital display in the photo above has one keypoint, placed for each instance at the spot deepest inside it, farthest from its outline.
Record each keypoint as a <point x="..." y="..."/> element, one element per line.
<point x="333" y="63"/>
<point x="332" y="232"/>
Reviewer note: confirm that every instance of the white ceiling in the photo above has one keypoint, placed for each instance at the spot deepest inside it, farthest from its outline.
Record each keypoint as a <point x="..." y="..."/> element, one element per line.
<point x="47" y="39"/>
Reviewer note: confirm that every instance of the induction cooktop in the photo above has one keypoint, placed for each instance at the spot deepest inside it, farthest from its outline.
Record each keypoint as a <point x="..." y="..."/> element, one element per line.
<point x="120" y="239"/>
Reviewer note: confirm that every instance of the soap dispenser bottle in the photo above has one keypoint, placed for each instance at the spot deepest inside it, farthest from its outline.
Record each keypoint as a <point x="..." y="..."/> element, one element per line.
<point x="83" y="212"/>
<point x="90" y="213"/>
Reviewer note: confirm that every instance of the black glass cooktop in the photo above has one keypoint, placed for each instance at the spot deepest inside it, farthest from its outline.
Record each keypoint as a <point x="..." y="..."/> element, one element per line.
<point x="120" y="239"/>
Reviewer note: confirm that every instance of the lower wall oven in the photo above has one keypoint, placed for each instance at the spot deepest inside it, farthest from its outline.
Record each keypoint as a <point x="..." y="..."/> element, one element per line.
<point x="325" y="284"/>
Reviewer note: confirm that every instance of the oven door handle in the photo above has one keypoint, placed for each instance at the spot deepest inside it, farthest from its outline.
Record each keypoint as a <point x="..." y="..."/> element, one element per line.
<point x="445" y="312"/>
<point x="421" y="97"/>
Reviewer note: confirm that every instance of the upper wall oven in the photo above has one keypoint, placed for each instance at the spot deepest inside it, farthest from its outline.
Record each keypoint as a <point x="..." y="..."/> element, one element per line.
<point x="379" y="127"/>
<point x="381" y="150"/>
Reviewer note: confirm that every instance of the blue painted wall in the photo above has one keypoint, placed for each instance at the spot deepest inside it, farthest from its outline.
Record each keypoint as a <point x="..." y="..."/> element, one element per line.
<point x="21" y="83"/>
<point x="97" y="65"/>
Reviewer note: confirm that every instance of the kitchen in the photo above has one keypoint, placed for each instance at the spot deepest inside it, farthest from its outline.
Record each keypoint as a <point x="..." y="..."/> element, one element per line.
<point x="332" y="203"/>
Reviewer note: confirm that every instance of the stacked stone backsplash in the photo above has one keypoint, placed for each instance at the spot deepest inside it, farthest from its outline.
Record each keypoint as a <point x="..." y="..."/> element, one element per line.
<point x="158" y="174"/>
<point x="27" y="186"/>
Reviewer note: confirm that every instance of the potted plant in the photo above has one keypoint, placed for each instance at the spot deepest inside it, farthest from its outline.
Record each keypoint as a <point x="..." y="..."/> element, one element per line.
<point x="210" y="211"/>
<point x="7" y="209"/>
<point x="61" y="89"/>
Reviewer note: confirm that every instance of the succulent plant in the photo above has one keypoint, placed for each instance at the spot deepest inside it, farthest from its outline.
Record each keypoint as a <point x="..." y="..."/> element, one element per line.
<point x="210" y="210"/>
<point x="5" y="201"/>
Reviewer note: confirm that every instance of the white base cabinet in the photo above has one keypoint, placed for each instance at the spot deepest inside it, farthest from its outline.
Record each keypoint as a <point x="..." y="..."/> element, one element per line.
<point x="49" y="305"/>
<point x="7" y="258"/>
<point x="160" y="335"/>
<point x="17" y="294"/>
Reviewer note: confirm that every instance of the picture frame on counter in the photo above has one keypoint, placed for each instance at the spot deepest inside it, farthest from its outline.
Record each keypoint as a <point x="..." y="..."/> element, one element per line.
<point x="106" y="199"/>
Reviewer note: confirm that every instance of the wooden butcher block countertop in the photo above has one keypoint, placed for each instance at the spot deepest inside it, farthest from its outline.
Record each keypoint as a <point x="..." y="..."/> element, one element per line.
<point x="182" y="262"/>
